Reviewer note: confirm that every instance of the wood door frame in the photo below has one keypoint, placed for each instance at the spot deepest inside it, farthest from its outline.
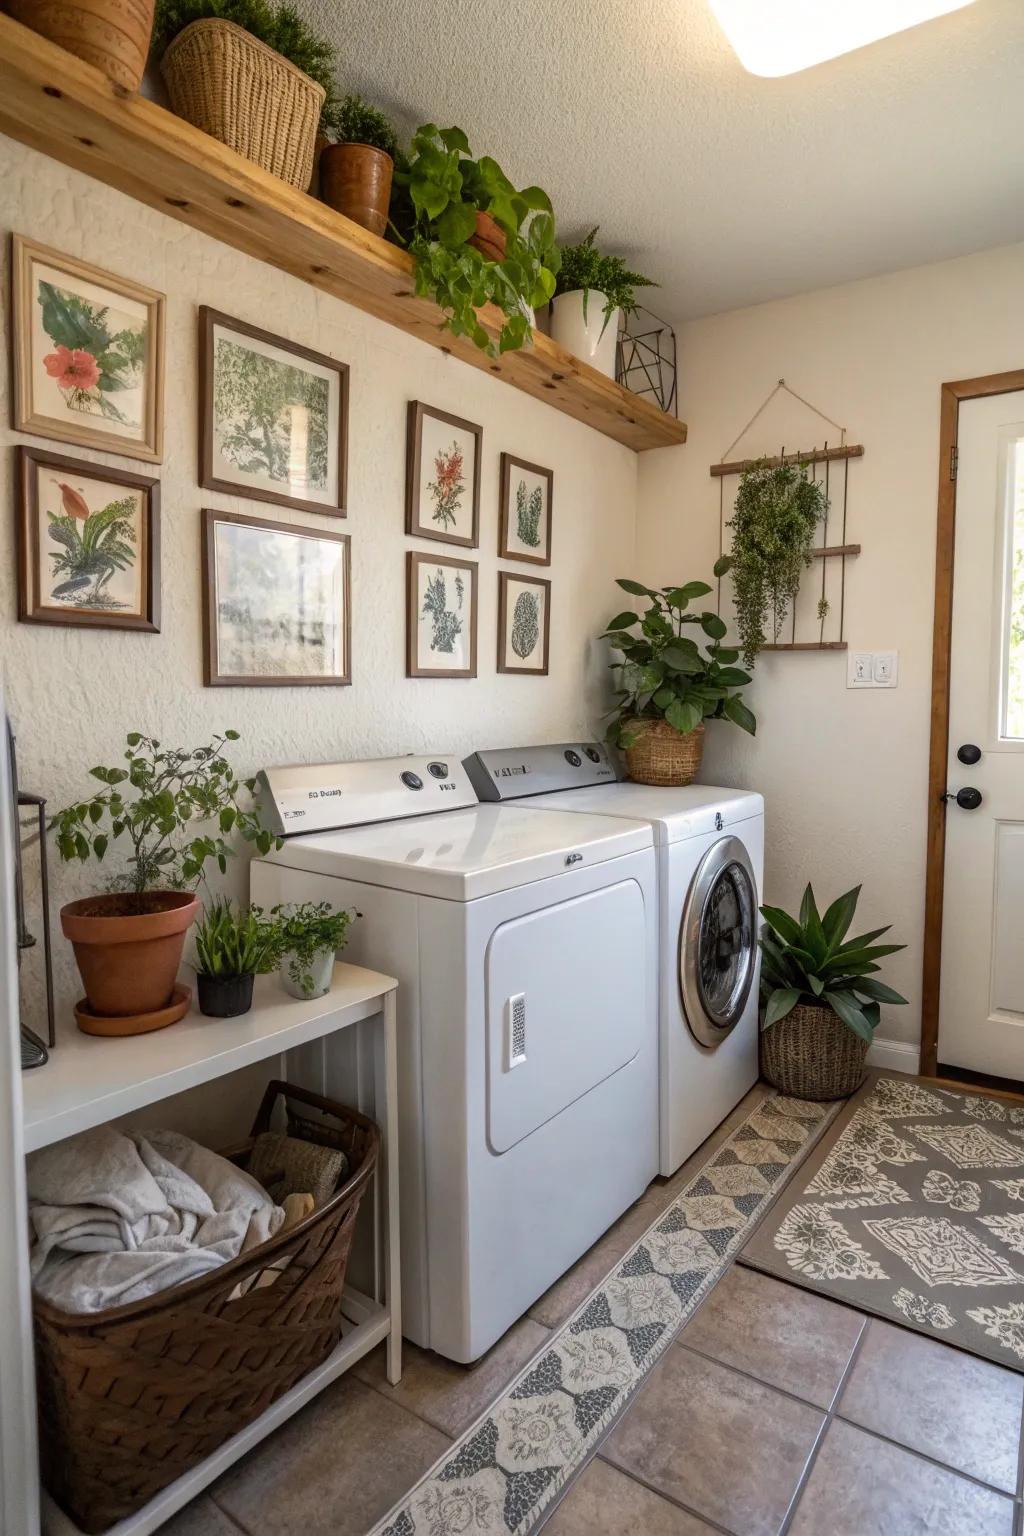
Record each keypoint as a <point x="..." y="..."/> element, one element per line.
<point x="952" y="396"/>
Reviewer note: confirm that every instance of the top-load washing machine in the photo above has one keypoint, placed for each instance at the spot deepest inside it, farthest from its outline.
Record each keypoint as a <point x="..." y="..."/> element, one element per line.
<point x="527" y="1019"/>
<point x="710" y="852"/>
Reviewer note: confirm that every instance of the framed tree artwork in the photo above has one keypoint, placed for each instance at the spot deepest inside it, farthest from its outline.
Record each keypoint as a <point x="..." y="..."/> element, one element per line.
<point x="88" y="354"/>
<point x="441" y="621"/>
<point x="442" y="479"/>
<point x="273" y="417"/>
<point x="88" y="544"/>
<point x="524" y="525"/>
<point x="276" y="605"/>
<point x="524" y="623"/>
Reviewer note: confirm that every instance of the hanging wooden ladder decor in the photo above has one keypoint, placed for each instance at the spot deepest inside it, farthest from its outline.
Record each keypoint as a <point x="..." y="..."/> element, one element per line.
<point x="825" y="552"/>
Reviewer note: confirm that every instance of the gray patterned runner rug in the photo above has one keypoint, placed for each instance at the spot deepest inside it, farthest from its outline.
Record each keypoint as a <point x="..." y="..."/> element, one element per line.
<point x="912" y="1207"/>
<point x="505" y="1470"/>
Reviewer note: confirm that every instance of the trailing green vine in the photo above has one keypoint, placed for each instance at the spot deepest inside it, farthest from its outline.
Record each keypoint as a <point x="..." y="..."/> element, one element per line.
<point x="778" y="508"/>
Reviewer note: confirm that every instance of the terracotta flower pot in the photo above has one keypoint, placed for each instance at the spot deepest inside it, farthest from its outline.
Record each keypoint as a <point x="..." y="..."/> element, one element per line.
<point x="489" y="238"/>
<point x="111" y="34"/>
<point x="661" y="756"/>
<point x="129" y="959"/>
<point x="356" y="180"/>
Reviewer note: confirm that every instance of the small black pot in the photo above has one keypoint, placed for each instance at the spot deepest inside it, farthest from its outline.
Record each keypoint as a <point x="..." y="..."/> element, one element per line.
<point x="224" y="997"/>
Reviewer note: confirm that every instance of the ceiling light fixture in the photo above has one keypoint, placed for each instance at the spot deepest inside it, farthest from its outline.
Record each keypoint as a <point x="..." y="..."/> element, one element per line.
<point x="779" y="37"/>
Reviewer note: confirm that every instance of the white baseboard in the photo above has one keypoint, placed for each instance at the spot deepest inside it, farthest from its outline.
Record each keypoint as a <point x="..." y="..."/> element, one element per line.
<point x="894" y="1056"/>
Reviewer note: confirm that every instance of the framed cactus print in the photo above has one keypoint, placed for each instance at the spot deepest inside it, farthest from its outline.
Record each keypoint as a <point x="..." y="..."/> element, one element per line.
<point x="524" y="624"/>
<point x="88" y="354"/>
<point x="441" y="618"/>
<point x="442" y="476"/>
<point x="524" y="525"/>
<point x="88" y="544"/>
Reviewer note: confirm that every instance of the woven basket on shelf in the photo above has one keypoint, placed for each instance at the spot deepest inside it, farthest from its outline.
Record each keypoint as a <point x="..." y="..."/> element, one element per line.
<point x="660" y="755"/>
<point x="131" y="1398"/>
<point x="234" y="87"/>
<point x="811" y="1054"/>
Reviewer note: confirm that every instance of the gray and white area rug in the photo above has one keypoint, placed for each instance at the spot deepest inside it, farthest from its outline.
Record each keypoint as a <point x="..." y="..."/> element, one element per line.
<point x="505" y="1470"/>
<point x="912" y="1207"/>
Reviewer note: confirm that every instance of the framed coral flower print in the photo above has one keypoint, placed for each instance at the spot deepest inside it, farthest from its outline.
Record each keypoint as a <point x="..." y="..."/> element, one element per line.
<point x="441" y="622"/>
<point x="524" y="623"/>
<point x="524" y="526"/>
<point x="442" y="483"/>
<point x="88" y="354"/>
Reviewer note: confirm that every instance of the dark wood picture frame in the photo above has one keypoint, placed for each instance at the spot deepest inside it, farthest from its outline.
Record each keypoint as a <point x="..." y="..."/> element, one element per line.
<point x="209" y="319"/>
<point x="504" y="577"/>
<point x="416" y="558"/>
<point x="30" y="556"/>
<point x="413" y="454"/>
<point x="505" y="552"/>
<point x="212" y="677"/>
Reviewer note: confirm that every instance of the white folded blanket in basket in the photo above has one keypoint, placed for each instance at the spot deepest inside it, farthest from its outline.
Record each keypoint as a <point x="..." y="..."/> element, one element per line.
<point x="119" y="1215"/>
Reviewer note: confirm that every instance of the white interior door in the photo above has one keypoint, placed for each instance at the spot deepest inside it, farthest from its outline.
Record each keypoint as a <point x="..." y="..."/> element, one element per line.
<point x="981" y="1014"/>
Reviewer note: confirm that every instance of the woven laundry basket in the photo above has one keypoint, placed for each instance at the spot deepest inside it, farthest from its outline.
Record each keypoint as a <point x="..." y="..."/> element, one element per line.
<point x="234" y="87"/>
<point x="661" y="755"/>
<point x="811" y="1054"/>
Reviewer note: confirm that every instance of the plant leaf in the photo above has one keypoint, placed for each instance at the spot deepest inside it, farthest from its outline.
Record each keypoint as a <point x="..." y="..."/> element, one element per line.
<point x="781" y="1002"/>
<point x="850" y="1013"/>
<point x="839" y="916"/>
<point x="878" y="991"/>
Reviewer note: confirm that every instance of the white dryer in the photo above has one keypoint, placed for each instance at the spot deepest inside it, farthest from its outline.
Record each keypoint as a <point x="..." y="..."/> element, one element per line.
<point x="527" y="1019"/>
<point x="710" y="853"/>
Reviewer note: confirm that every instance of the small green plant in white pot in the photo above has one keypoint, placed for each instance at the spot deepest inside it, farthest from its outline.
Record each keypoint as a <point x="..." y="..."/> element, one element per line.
<point x="592" y="292"/>
<point x="309" y="937"/>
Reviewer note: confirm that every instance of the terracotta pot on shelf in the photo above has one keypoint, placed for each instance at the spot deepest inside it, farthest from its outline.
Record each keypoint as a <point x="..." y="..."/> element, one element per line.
<point x="128" y="958"/>
<point x="113" y="35"/>
<point x="489" y="238"/>
<point x="661" y="755"/>
<point x="356" y="180"/>
<point x="811" y="1054"/>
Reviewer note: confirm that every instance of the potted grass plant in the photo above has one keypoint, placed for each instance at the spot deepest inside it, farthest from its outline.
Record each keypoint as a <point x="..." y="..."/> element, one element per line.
<point x="309" y="936"/>
<point x="591" y="293"/>
<point x="357" y="167"/>
<point x="233" y="947"/>
<point x="821" y="999"/>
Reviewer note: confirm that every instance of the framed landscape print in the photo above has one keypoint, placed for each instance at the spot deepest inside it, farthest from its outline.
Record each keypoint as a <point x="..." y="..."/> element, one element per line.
<point x="273" y="417"/>
<point x="276" y="606"/>
<point x="524" y="623"/>
<point x="442" y="479"/>
<point x="88" y="544"/>
<point x="88" y="354"/>
<point x="524" y="526"/>
<point x="441" y="624"/>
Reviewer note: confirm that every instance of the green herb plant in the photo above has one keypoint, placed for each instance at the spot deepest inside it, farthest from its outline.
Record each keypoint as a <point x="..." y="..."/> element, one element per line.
<point x="778" y="509"/>
<point x="665" y="674"/>
<point x="810" y="960"/>
<point x="304" y="931"/>
<point x="234" y="941"/>
<point x="584" y="268"/>
<point x="354" y="121"/>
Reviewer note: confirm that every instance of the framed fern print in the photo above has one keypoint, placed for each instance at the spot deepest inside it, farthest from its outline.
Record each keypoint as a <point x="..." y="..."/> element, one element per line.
<point x="441" y="621"/>
<point x="524" y="624"/>
<point x="88" y="544"/>
<point x="524" y="526"/>
<point x="442" y="476"/>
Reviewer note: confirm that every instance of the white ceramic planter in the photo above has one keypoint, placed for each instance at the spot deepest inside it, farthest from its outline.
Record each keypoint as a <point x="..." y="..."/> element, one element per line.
<point x="310" y="979"/>
<point x="588" y="338"/>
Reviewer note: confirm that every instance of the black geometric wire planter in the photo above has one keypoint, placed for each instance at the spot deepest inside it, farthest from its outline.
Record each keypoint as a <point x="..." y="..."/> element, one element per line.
<point x="645" y="362"/>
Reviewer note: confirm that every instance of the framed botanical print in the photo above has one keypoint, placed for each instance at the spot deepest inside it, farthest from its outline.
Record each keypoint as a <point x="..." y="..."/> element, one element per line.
<point x="524" y="623"/>
<point x="276" y="604"/>
<point x="273" y="417"/>
<point x="524" y="526"/>
<point x="441" y="622"/>
<point x="88" y="354"/>
<point x="442" y="478"/>
<point x="88" y="544"/>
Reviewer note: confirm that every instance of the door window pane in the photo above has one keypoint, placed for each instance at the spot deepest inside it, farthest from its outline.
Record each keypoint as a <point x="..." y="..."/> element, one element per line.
<point x="1013" y="636"/>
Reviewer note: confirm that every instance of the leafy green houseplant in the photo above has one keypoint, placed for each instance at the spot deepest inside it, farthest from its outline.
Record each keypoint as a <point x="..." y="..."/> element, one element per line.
<point x="777" y="512"/>
<point x="821" y="997"/>
<point x="356" y="170"/>
<point x="233" y="945"/>
<point x="670" y="682"/>
<point x="309" y="937"/>
<point x="585" y="273"/>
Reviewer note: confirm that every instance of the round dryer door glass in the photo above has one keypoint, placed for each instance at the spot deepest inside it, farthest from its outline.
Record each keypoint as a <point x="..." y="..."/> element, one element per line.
<point x="717" y="942"/>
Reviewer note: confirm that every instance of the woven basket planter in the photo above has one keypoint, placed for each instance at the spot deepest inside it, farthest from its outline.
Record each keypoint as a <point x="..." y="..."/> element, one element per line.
<point x="234" y="87"/>
<point x="811" y="1054"/>
<point x="660" y="755"/>
<point x="111" y="34"/>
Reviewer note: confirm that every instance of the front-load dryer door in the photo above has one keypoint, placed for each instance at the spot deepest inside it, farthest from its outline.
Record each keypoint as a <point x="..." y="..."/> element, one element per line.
<point x="565" y="1007"/>
<point x="718" y="941"/>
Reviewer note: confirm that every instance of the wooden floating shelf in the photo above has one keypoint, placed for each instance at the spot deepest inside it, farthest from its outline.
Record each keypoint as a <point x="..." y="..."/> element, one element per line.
<point x="812" y="456"/>
<point x="70" y="111"/>
<point x="835" y="549"/>
<point x="808" y="645"/>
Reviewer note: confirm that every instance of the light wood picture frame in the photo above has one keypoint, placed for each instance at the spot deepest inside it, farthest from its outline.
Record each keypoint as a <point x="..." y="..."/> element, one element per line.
<point x="525" y="511"/>
<point x="88" y="350"/>
<point x="524" y="624"/>
<point x="442" y="476"/>
<point x="276" y="604"/>
<point x="441" y="616"/>
<point x="273" y="417"/>
<point x="88" y="544"/>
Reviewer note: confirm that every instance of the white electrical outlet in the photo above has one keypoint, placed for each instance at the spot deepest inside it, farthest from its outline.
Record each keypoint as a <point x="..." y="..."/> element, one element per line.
<point x="873" y="669"/>
<point x="885" y="670"/>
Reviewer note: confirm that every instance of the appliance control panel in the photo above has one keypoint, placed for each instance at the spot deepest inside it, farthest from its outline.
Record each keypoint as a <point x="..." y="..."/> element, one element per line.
<point x="511" y="773"/>
<point x="321" y="797"/>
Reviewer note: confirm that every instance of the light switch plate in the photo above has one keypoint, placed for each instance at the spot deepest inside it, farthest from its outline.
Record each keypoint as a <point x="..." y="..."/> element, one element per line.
<point x="873" y="669"/>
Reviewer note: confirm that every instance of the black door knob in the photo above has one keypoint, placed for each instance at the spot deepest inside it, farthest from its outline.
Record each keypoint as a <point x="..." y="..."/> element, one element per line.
<point x="969" y="753"/>
<point x="967" y="799"/>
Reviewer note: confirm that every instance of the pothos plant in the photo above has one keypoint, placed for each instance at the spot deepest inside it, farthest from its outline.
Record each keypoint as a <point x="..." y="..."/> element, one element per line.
<point x="778" y="508"/>
<point x="665" y="673"/>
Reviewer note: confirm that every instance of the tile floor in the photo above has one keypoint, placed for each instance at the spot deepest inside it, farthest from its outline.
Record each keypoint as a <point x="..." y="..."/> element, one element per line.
<point x="775" y="1413"/>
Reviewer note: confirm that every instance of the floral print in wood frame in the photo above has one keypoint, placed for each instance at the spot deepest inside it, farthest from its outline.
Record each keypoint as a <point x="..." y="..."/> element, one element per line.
<point x="442" y="485"/>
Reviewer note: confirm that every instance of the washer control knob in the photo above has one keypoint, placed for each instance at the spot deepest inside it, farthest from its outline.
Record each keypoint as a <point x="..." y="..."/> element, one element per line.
<point x="573" y="758"/>
<point x="411" y="780"/>
<point x="593" y="754"/>
<point x="437" y="770"/>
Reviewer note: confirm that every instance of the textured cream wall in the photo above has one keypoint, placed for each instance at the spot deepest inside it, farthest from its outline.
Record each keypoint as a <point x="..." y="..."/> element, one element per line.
<point x="843" y="772"/>
<point x="74" y="692"/>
